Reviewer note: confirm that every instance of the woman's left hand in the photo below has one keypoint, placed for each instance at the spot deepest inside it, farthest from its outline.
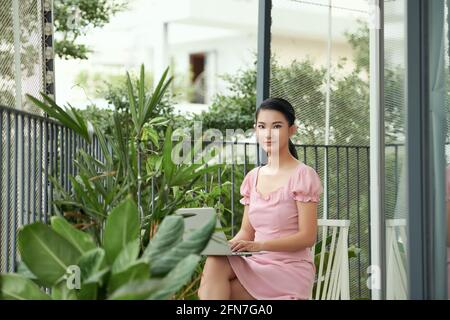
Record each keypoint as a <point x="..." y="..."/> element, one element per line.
<point x="245" y="245"/>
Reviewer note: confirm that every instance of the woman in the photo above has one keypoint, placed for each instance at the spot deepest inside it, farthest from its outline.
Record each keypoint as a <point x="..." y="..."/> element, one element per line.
<point x="280" y="217"/>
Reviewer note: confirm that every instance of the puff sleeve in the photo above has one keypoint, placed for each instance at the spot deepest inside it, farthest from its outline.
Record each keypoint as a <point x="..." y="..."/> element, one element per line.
<point x="307" y="186"/>
<point x="246" y="188"/>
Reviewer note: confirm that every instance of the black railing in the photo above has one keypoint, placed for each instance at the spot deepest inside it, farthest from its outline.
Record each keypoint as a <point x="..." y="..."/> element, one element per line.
<point x="32" y="148"/>
<point x="345" y="175"/>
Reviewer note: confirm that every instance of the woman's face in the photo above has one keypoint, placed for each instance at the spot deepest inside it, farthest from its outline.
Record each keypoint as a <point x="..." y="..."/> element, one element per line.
<point x="273" y="131"/>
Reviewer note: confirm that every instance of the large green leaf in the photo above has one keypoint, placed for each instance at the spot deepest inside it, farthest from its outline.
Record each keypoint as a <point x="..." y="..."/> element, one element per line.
<point x="137" y="290"/>
<point x="193" y="244"/>
<point x="122" y="226"/>
<point x="88" y="291"/>
<point x="126" y="257"/>
<point x="60" y="291"/>
<point x="90" y="264"/>
<point x="17" y="287"/>
<point x="170" y="232"/>
<point x="159" y="288"/>
<point x="80" y="240"/>
<point x="137" y="271"/>
<point x="23" y="270"/>
<point x="46" y="253"/>
<point x="98" y="277"/>
<point x="177" y="278"/>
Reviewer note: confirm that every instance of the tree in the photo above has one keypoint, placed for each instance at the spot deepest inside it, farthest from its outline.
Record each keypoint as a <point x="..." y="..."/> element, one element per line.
<point x="234" y="109"/>
<point x="113" y="88"/>
<point x="304" y="84"/>
<point x="74" y="18"/>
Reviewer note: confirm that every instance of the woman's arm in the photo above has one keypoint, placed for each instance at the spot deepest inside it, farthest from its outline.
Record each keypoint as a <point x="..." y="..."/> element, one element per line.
<point x="304" y="238"/>
<point x="246" y="232"/>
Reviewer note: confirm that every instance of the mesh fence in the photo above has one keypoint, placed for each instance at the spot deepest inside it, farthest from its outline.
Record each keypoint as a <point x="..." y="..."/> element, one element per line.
<point x="320" y="63"/>
<point x="21" y="73"/>
<point x="23" y="144"/>
<point x="21" y="52"/>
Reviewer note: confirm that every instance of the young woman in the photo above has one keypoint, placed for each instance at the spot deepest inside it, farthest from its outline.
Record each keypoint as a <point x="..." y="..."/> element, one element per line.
<point x="280" y="217"/>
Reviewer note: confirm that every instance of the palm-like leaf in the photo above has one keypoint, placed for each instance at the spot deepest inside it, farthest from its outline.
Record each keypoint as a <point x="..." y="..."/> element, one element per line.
<point x="68" y="117"/>
<point x="141" y="109"/>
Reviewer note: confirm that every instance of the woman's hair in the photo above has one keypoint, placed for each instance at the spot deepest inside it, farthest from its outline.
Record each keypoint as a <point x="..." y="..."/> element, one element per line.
<point x="285" y="108"/>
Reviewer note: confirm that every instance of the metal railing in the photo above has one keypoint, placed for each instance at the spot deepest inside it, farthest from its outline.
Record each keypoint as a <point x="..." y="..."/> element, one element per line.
<point x="346" y="194"/>
<point x="32" y="148"/>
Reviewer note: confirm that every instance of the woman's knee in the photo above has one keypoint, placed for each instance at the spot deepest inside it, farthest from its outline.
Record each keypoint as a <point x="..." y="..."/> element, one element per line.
<point x="238" y="292"/>
<point x="216" y="269"/>
<point x="218" y="266"/>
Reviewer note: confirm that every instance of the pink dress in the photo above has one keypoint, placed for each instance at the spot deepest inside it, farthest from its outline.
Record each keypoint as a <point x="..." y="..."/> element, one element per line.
<point x="278" y="275"/>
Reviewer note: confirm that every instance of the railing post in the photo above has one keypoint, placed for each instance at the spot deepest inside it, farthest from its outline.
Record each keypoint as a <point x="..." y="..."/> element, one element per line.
<point x="263" y="62"/>
<point x="377" y="188"/>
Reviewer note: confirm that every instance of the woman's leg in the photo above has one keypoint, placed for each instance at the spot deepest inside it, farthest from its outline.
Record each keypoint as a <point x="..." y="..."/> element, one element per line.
<point x="238" y="292"/>
<point x="216" y="277"/>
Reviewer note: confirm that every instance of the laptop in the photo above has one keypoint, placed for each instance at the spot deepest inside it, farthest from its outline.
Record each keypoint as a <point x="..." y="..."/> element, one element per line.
<point x="218" y="245"/>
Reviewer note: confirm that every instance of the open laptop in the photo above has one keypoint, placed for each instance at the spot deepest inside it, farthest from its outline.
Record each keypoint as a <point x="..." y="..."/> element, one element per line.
<point x="218" y="245"/>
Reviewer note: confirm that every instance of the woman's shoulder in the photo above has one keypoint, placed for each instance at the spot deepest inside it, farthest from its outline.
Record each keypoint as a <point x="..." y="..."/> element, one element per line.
<point x="308" y="170"/>
<point x="246" y="186"/>
<point x="307" y="185"/>
<point x="252" y="171"/>
<point x="249" y="176"/>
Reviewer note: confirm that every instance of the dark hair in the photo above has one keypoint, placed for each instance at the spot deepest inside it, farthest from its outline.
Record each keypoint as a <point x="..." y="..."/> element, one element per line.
<point x="285" y="108"/>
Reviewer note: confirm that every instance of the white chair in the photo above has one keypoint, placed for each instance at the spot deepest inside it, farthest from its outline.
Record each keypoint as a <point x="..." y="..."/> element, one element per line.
<point x="333" y="272"/>
<point x="396" y="279"/>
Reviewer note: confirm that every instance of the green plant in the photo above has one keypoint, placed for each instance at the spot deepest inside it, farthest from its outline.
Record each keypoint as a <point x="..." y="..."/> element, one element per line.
<point x="176" y="181"/>
<point x="135" y="142"/>
<point x="141" y="110"/>
<point x="98" y="186"/>
<point x="75" y="18"/>
<point x="68" y="117"/>
<point x="120" y="268"/>
<point x="114" y="90"/>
